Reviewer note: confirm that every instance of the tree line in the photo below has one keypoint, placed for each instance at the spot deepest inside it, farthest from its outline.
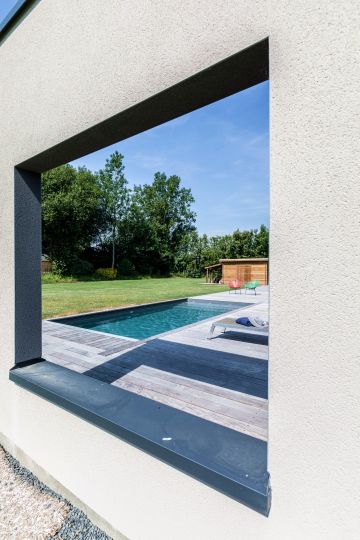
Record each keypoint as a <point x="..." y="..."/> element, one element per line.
<point x="94" y="220"/>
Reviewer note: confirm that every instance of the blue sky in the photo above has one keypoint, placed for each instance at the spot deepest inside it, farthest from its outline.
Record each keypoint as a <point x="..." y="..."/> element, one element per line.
<point x="219" y="151"/>
<point x="5" y="7"/>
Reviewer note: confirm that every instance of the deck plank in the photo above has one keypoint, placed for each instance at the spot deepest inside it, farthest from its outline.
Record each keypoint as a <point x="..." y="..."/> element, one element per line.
<point x="248" y="417"/>
<point x="210" y="388"/>
<point x="236" y="372"/>
<point x="195" y="396"/>
<point x="88" y="342"/>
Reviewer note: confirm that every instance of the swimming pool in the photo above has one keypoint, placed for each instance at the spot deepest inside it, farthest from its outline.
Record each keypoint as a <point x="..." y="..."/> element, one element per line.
<point x="143" y="322"/>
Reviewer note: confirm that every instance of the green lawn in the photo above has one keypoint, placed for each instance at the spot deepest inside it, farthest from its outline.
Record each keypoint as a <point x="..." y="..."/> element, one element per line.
<point x="67" y="298"/>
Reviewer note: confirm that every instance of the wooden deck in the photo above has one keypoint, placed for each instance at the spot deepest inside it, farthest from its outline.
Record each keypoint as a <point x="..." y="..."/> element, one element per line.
<point x="223" y="380"/>
<point x="235" y="410"/>
<point x="79" y="349"/>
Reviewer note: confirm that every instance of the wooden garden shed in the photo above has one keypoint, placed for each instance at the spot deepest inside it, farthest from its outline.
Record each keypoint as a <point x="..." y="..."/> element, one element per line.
<point x="245" y="270"/>
<point x="242" y="269"/>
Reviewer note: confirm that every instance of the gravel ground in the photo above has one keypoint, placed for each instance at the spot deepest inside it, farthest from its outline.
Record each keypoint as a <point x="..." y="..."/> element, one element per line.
<point x="29" y="510"/>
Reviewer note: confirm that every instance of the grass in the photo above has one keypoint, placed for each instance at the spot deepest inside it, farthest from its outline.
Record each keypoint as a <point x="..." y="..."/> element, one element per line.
<point x="79" y="297"/>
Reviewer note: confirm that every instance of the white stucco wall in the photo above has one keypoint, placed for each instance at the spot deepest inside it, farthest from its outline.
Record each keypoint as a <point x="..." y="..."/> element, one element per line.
<point x="315" y="271"/>
<point x="71" y="64"/>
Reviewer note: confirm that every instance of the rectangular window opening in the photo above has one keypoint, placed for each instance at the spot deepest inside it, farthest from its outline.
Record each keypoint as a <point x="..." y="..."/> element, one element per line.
<point x="154" y="270"/>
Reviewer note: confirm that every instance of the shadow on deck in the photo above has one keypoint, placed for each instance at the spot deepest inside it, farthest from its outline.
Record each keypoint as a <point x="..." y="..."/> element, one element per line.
<point x="232" y="371"/>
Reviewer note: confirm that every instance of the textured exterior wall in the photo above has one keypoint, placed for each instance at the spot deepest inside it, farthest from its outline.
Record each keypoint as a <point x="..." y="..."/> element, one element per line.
<point x="71" y="64"/>
<point x="315" y="218"/>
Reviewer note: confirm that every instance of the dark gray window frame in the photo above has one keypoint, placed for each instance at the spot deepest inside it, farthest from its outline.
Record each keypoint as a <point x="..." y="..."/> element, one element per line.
<point x="228" y="461"/>
<point x="15" y="16"/>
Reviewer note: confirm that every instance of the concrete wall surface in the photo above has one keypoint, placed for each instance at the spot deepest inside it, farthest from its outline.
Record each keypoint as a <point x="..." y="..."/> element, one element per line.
<point x="71" y="64"/>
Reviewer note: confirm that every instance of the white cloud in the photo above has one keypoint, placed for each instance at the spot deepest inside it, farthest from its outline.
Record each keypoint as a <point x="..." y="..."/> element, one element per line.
<point x="150" y="161"/>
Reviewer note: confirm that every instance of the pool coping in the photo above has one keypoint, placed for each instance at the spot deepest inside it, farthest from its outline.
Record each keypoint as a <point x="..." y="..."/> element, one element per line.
<point x="111" y="310"/>
<point x="95" y="331"/>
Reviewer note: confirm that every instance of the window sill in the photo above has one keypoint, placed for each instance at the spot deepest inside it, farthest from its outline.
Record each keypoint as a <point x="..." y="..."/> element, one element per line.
<point x="230" y="462"/>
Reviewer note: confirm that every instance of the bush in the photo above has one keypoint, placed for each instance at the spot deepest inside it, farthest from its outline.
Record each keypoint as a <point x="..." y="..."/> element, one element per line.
<point x="59" y="268"/>
<point x="106" y="273"/>
<point x="50" y="277"/>
<point x="80" y="267"/>
<point x="72" y="265"/>
<point x="126" y="268"/>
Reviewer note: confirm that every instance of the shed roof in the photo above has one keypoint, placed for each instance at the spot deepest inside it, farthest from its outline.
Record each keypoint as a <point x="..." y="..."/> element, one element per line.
<point x="253" y="259"/>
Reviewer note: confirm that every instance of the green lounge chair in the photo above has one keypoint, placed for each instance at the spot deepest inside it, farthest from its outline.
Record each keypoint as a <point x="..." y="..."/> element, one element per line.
<point x="251" y="286"/>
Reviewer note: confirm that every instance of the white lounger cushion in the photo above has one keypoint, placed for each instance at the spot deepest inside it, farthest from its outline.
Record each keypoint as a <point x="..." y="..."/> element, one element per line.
<point x="233" y="325"/>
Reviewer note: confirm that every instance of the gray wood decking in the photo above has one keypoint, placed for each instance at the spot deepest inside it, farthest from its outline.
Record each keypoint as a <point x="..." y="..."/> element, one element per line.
<point x="223" y="380"/>
<point x="79" y="349"/>
<point x="235" y="410"/>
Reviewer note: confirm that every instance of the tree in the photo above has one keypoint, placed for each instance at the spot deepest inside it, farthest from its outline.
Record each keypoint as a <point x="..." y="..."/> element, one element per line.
<point x="150" y="230"/>
<point x="193" y="255"/>
<point x="262" y="242"/>
<point x="114" y="197"/>
<point x="196" y="252"/>
<point x="243" y="244"/>
<point x="160" y="216"/>
<point x="70" y="216"/>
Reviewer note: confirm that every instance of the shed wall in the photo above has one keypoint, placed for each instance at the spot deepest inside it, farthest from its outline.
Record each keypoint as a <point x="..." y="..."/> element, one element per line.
<point x="245" y="272"/>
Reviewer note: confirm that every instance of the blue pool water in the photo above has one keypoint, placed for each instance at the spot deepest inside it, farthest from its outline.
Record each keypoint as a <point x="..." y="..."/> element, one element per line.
<point x="146" y="321"/>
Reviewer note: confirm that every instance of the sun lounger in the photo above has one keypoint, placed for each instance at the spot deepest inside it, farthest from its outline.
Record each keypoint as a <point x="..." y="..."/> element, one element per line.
<point x="230" y="324"/>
